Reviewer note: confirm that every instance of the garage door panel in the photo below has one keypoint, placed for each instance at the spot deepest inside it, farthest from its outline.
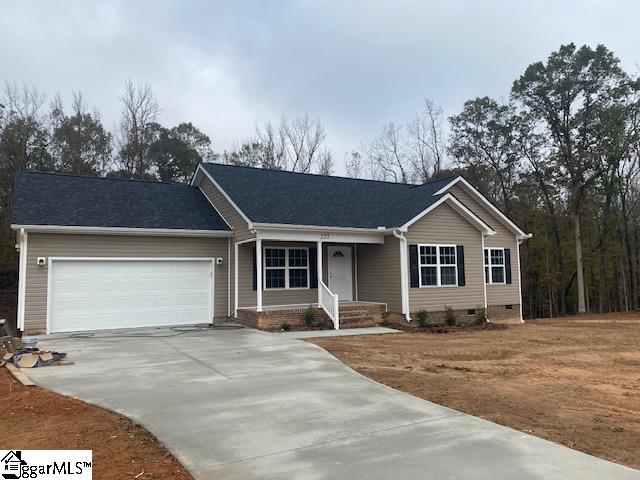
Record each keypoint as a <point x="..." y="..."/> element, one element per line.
<point x="103" y="294"/>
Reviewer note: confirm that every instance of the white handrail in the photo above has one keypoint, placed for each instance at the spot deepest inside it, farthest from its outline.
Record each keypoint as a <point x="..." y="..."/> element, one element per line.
<point x="329" y="303"/>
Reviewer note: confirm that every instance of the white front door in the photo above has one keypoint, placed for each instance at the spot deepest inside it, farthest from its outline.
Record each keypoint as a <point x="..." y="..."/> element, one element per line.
<point x="340" y="272"/>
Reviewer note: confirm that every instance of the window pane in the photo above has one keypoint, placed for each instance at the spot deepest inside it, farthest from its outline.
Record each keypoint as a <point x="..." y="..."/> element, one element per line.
<point x="298" y="278"/>
<point x="498" y="274"/>
<point x="274" y="278"/>
<point x="428" y="255"/>
<point x="297" y="257"/>
<point x="486" y="275"/>
<point x="447" y="255"/>
<point x="448" y="276"/>
<point x="497" y="257"/>
<point x="274" y="257"/>
<point x="429" y="275"/>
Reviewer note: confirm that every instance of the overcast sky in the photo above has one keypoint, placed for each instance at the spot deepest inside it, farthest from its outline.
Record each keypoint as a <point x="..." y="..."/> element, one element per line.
<point x="356" y="65"/>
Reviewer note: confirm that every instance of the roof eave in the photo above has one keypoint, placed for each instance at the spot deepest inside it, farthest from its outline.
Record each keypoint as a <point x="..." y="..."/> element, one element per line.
<point x="165" y="232"/>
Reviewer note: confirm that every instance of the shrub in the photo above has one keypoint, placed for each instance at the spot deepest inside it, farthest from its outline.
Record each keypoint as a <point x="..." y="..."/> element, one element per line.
<point x="423" y="318"/>
<point x="310" y="316"/>
<point x="452" y="320"/>
<point x="285" y="326"/>
<point x="481" y="315"/>
<point x="385" y="319"/>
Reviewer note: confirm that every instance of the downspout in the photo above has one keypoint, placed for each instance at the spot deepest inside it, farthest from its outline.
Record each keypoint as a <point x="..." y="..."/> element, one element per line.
<point x="22" y="277"/>
<point x="519" y="241"/>
<point x="484" y="280"/>
<point x="404" y="275"/>
<point x="229" y="277"/>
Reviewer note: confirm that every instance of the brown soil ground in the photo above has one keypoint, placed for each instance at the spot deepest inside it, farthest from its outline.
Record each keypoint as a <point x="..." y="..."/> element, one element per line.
<point x="575" y="381"/>
<point x="33" y="418"/>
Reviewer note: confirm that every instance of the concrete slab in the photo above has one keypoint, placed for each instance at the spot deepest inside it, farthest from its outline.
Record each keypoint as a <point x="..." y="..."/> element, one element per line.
<point x="339" y="333"/>
<point x="244" y="404"/>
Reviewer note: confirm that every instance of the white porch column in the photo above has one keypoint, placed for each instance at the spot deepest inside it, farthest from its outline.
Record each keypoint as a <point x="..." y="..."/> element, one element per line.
<point x="235" y="280"/>
<point x="258" y="274"/>
<point x="319" y="268"/>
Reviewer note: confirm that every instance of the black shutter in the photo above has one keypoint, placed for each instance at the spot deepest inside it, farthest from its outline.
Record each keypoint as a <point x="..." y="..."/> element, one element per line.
<point x="255" y="271"/>
<point x="460" y="259"/>
<point x="313" y="267"/>
<point x="413" y="266"/>
<point x="507" y="265"/>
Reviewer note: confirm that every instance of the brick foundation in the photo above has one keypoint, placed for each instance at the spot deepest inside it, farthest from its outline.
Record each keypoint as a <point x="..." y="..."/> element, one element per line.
<point x="500" y="314"/>
<point x="351" y="316"/>
<point x="272" y="320"/>
<point x="440" y="317"/>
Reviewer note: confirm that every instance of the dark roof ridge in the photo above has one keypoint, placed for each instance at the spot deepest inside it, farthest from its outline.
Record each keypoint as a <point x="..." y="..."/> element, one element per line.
<point x="331" y="176"/>
<point x="100" y="177"/>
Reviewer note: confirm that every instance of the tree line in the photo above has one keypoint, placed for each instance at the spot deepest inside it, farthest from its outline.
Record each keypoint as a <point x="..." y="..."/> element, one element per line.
<point x="560" y="155"/>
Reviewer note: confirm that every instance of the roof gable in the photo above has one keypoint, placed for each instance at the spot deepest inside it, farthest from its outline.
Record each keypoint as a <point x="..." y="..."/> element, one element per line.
<point x="68" y="200"/>
<point x="494" y="211"/>
<point x="282" y="197"/>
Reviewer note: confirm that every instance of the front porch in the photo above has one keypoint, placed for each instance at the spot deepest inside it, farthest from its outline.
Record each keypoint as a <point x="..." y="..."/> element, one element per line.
<point x="277" y="280"/>
<point x="351" y="314"/>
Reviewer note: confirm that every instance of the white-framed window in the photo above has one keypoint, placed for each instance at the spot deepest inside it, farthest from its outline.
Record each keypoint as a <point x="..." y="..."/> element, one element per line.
<point x="286" y="268"/>
<point x="437" y="266"/>
<point x="494" y="265"/>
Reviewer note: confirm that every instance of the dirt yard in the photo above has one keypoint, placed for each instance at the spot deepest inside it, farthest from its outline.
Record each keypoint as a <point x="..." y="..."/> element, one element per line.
<point x="575" y="382"/>
<point x="33" y="418"/>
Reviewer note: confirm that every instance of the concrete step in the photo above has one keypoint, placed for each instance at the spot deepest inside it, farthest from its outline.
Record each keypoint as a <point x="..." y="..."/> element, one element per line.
<point x="354" y="313"/>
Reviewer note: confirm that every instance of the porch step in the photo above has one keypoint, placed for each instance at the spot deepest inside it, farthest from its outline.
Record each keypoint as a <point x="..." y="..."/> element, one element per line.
<point x="360" y="315"/>
<point x="356" y="322"/>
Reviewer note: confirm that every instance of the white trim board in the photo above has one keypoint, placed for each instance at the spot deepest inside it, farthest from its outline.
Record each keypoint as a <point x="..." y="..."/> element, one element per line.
<point x="315" y="235"/>
<point x="501" y="216"/>
<point x="212" y="261"/>
<point x="165" y="232"/>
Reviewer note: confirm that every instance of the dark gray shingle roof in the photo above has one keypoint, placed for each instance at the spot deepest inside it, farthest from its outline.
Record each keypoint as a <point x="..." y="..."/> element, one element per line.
<point x="276" y="196"/>
<point x="53" y="199"/>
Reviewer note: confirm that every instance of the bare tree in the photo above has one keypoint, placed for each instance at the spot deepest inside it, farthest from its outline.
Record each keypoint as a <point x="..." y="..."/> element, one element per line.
<point x="272" y="146"/>
<point x="292" y="145"/>
<point x="325" y="162"/>
<point x="427" y="142"/>
<point x="354" y="166"/>
<point x="389" y="155"/>
<point x="136" y="130"/>
<point x="24" y="141"/>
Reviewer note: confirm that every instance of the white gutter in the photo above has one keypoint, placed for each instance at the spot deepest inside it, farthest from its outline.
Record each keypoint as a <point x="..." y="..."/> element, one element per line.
<point x="167" y="232"/>
<point x="404" y="274"/>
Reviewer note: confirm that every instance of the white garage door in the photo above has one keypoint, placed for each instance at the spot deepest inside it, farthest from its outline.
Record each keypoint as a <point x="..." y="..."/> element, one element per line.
<point x="120" y="293"/>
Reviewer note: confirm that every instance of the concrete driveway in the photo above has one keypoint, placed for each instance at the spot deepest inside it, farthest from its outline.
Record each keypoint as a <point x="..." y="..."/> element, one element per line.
<point x="243" y="404"/>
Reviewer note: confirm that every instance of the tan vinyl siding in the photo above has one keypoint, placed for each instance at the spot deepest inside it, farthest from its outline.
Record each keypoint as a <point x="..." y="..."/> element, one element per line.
<point x="229" y="213"/>
<point x="68" y="245"/>
<point x="379" y="273"/>
<point x="444" y="225"/>
<point x="246" y="293"/>
<point x="496" y="294"/>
